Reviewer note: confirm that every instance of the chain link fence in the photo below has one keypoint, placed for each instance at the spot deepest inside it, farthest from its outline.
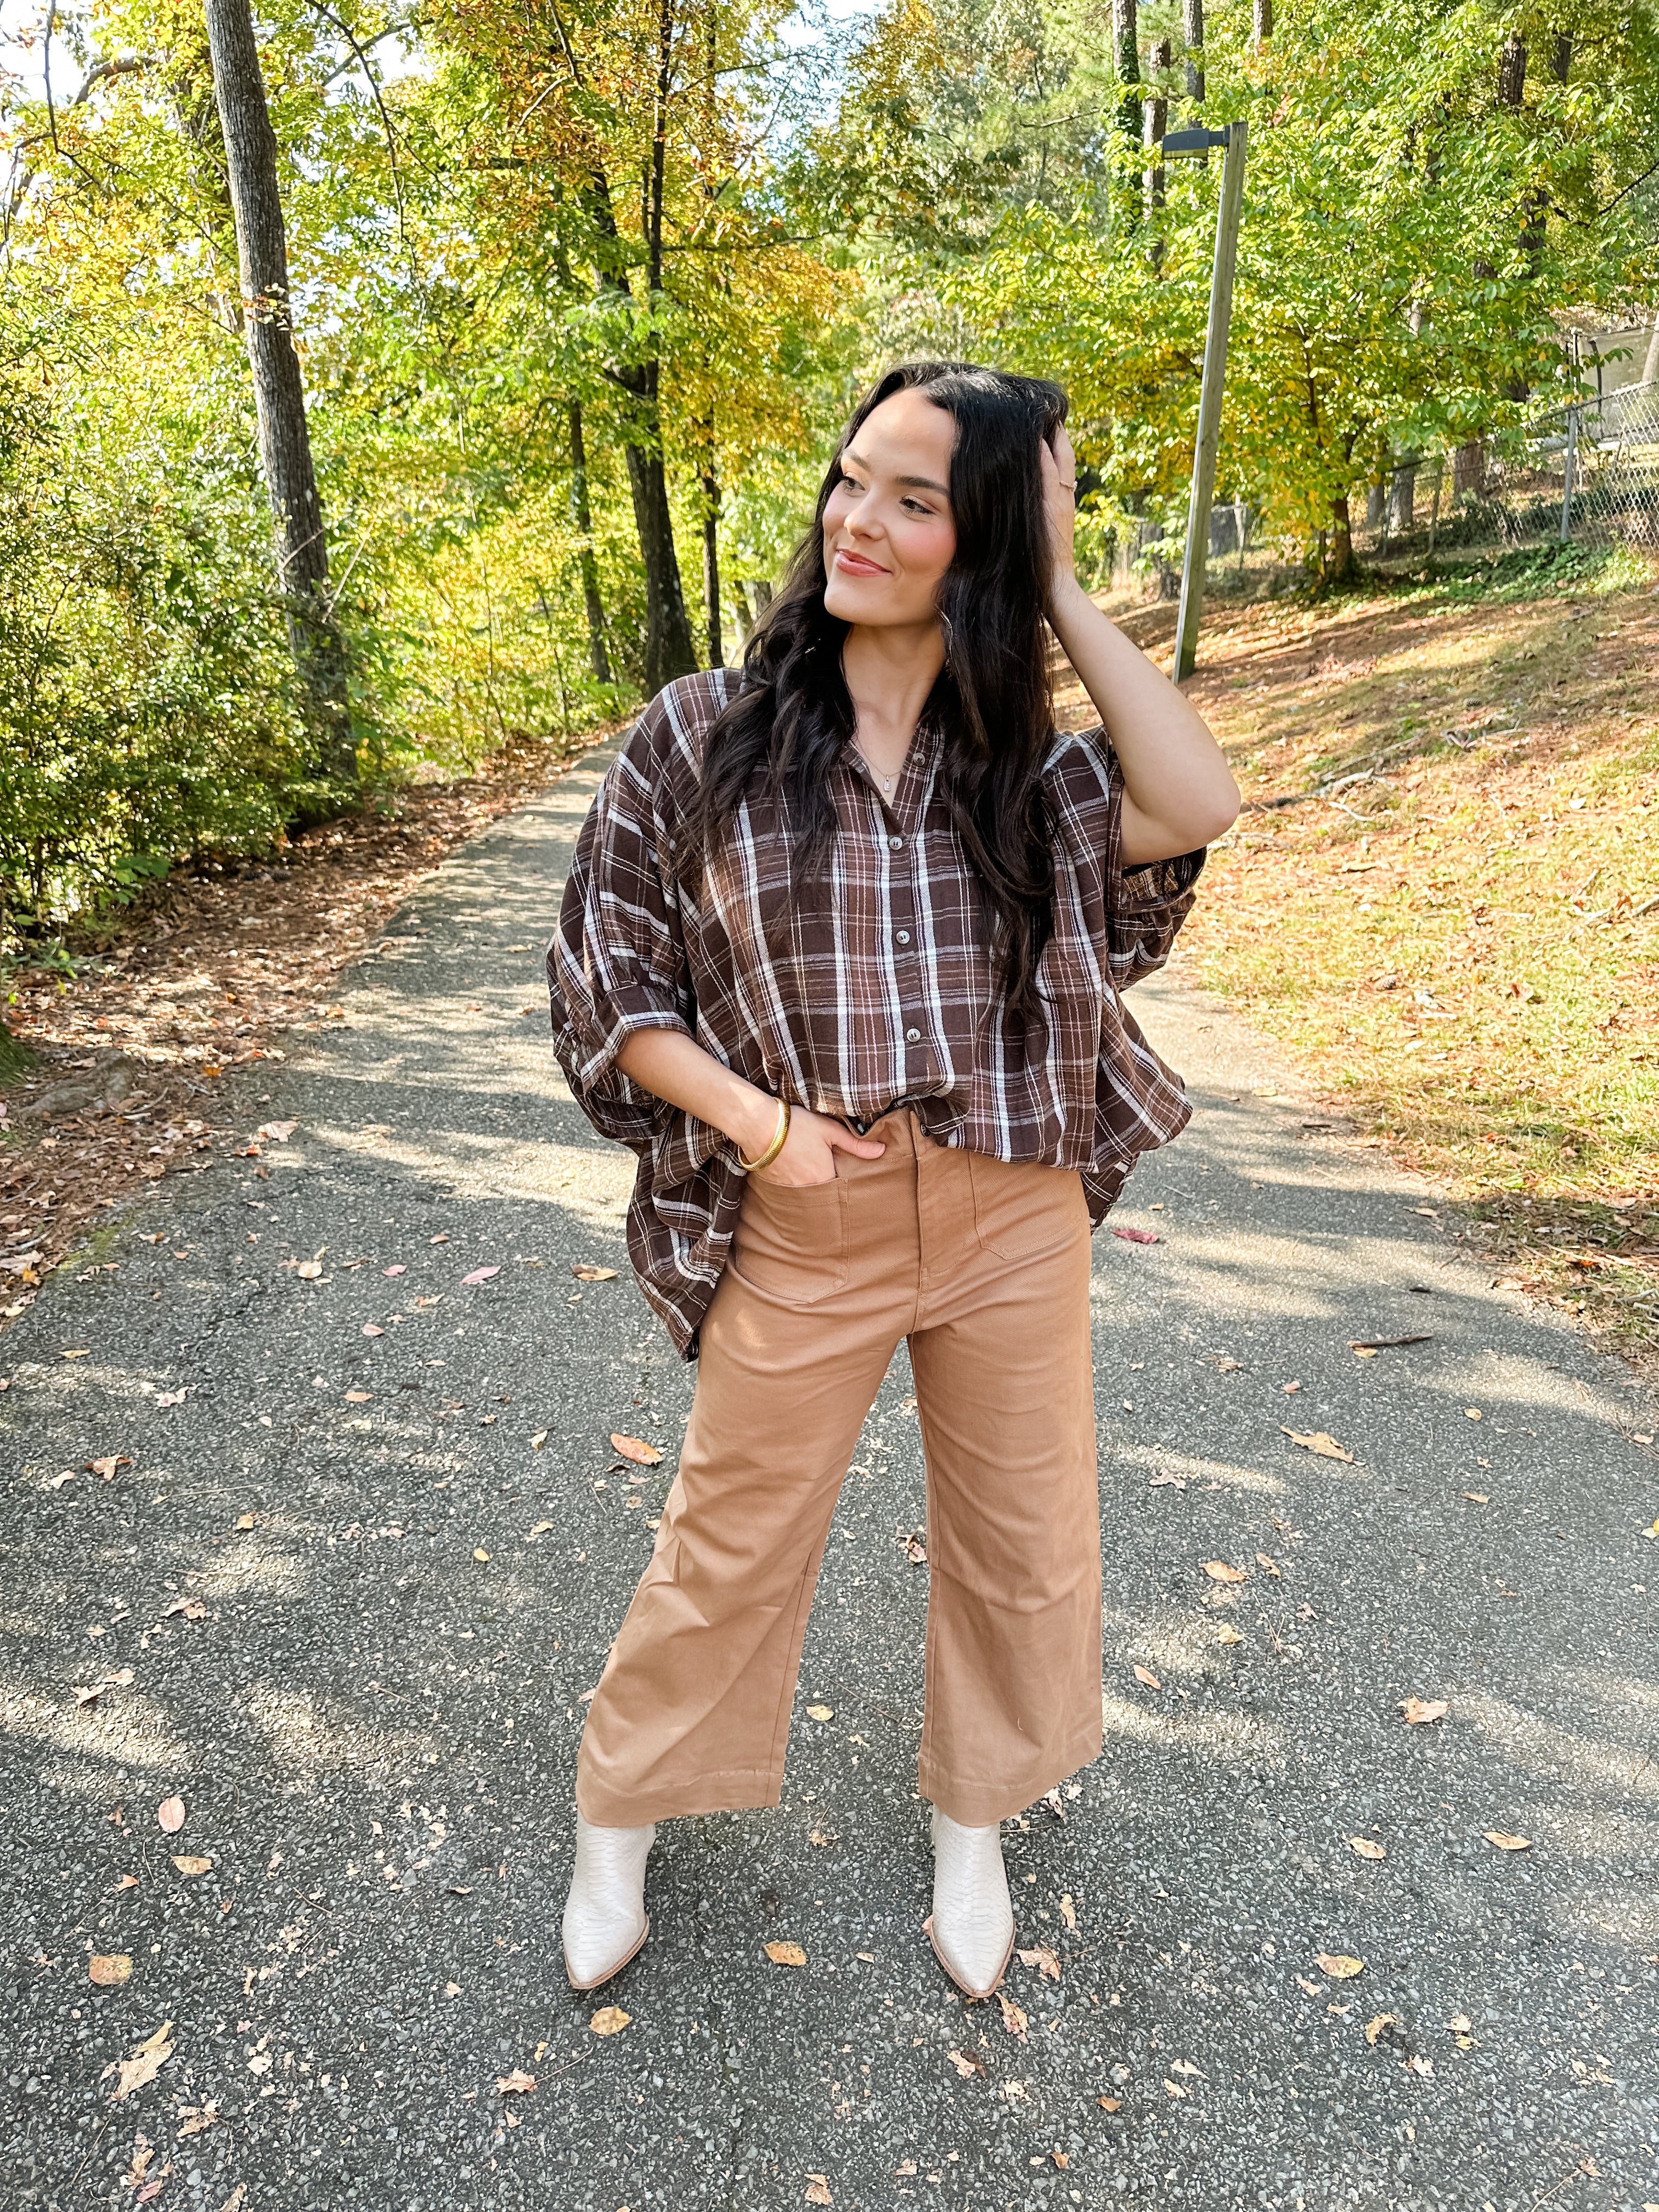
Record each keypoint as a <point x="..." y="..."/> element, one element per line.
<point x="1586" y="474"/>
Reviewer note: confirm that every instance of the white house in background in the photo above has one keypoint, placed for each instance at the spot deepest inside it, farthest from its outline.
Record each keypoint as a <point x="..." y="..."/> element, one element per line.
<point x="1636" y="341"/>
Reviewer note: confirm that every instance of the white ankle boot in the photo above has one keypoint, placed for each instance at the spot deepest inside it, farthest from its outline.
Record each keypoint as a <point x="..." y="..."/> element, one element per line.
<point x="971" y="1927"/>
<point x="604" y="1916"/>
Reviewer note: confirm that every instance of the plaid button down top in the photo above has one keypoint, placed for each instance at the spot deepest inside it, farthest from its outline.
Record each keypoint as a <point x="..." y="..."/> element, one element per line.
<point x="873" y="987"/>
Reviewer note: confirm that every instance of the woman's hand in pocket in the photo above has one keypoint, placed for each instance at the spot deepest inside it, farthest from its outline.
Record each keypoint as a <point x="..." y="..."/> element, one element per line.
<point x="809" y="1153"/>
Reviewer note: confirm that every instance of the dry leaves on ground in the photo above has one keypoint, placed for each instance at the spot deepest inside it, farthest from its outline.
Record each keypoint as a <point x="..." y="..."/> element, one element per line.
<point x="1318" y="1441"/>
<point x="1139" y="1236"/>
<point x="609" y="2019"/>
<point x="820" y="1712"/>
<point x="1046" y="1961"/>
<point x="108" y="1970"/>
<point x="145" y="2064"/>
<point x="641" y="1454"/>
<point x="1419" y="1712"/>
<point x="1500" y="1842"/>
<point x="1068" y="1911"/>
<point x="1378" y="2026"/>
<point x="193" y="1866"/>
<point x="480" y="1275"/>
<point x="817" y="2189"/>
<point x="1367" y="1848"/>
<point x="1012" y="2018"/>
<point x="1146" y="1675"/>
<point x="785" y="1954"/>
<point x="965" y="2063"/>
<point x="1339" y="1964"/>
<point x="1220" y="1572"/>
<point x="170" y="1812"/>
<point x="584" y="1273"/>
<point x="514" y="2083"/>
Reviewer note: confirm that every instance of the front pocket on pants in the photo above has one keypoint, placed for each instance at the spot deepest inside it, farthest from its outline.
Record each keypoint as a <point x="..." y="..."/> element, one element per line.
<point x="792" y="1241"/>
<point x="1020" y="1210"/>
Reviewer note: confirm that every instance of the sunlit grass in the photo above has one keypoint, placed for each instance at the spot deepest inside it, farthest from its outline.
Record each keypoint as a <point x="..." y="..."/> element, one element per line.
<point x="1461" y="945"/>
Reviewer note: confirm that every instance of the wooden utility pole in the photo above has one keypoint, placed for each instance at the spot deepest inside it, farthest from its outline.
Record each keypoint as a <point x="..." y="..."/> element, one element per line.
<point x="278" y="391"/>
<point x="1234" y="138"/>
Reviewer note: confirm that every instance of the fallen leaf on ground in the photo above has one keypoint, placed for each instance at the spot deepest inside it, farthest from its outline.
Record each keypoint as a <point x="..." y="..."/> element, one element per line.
<point x="822" y="1837"/>
<point x="278" y="1131"/>
<point x="1318" y="1441"/>
<point x="481" y="1555"/>
<point x="1186" y="2066"/>
<point x="539" y="1439"/>
<point x="197" y="2118"/>
<point x="584" y="1273"/>
<point x="1061" y="2157"/>
<point x="1068" y="1911"/>
<point x="358" y="1397"/>
<point x="1367" y="1848"/>
<point x="1339" y="1965"/>
<point x="1012" y="2018"/>
<point x="1043" y="1960"/>
<point x="1459" y="2024"/>
<point x="126" y="1881"/>
<point x="1500" y="1842"/>
<point x="1168" y="1482"/>
<point x="1417" y="2064"/>
<point x="1386" y="1343"/>
<point x="145" y="2064"/>
<point x="820" y="1712"/>
<point x="1473" y="1413"/>
<point x="817" y="2189"/>
<point x="1268" y="1566"/>
<point x="609" y="2019"/>
<point x="233" y="2201"/>
<point x="1379" y="2026"/>
<point x="1478" y="1497"/>
<point x="1226" y="1635"/>
<point x="1419" y="1711"/>
<point x="965" y="2063"/>
<point x="1145" y="1674"/>
<point x="1051" y="1799"/>
<point x="785" y="1954"/>
<point x="1175" y="2088"/>
<point x="191" y="1607"/>
<point x="309" y="1270"/>
<point x="169" y="1397"/>
<point x="1139" y="1236"/>
<point x="109" y="1969"/>
<point x="1314" y="1989"/>
<point x="1109" y="2104"/>
<point x="186" y="1864"/>
<point x="86" y="1697"/>
<point x="642" y="1454"/>
<point x="1220" y="1572"/>
<point x="373" y="1328"/>
<point x="480" y="1275"/>
<point x="514" y="2083"/>
<point x="170" y="1814"/>
<point x="106" y="1466"/>
<point x="246" y="1520"/>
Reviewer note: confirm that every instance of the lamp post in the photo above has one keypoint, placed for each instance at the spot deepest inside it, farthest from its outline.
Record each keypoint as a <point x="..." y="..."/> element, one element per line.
<point x="1233" y="137"/>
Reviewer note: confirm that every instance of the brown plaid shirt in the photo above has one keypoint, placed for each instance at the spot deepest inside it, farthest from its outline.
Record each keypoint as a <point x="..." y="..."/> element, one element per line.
<point x="882" y="991"/>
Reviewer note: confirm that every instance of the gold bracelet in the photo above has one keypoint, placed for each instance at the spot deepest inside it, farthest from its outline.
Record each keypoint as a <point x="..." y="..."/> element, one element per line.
<point x="776" y="1145"/>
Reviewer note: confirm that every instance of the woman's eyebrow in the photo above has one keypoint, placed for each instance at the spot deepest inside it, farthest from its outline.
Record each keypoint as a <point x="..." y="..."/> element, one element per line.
<point x="922" y="483"/>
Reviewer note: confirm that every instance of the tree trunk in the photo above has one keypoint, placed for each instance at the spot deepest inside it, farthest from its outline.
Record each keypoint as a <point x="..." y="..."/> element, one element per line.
<point x="1340" y="567"/>
<point x="1125" y="56"/>
<point x="1192" y="32"/>
<point x="1469" y="467"/>
<point x="1264" y="20"/>
<point x="711" y="565"/>
<point x="668" y="648"/>
<point x="278" y="391"/>
<point x="1403" y="500"/>
<point x="598" y="657"/>
<point x="1154" y="116"/>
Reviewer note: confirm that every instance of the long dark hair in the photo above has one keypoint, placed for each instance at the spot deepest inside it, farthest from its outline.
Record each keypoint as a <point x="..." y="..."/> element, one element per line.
<point x="992" y="703"/>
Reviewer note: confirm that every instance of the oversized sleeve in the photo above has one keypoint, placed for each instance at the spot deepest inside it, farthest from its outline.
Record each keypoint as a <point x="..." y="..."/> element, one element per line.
<point x="617" y="963"/>
<point x="1143" y="905"/>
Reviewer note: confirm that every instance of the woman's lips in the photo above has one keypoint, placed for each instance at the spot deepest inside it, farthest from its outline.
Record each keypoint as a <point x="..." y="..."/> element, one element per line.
<point x="856" y="564"/>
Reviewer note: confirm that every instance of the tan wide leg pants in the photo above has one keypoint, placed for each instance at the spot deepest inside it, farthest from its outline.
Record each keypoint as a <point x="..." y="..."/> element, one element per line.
<point x="984" y="1266"/>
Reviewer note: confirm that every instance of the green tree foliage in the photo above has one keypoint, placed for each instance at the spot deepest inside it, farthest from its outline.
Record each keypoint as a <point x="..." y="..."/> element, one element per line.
<point x="676" y="236"/>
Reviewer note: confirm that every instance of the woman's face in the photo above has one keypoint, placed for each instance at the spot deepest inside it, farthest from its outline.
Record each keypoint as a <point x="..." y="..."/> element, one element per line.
<point x="888" y="535"/>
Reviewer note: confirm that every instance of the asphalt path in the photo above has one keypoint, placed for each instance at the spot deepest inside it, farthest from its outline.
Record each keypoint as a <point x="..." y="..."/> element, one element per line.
<point x="344" y="1597"/>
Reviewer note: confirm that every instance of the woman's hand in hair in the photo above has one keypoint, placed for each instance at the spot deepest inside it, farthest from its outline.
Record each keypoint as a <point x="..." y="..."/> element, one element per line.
<point x="809" y="1155"/>
<point x="1059" y="465"/>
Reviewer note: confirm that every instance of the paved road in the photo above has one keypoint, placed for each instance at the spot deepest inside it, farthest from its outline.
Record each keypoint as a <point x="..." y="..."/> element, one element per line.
<point x="360" y="1604"/>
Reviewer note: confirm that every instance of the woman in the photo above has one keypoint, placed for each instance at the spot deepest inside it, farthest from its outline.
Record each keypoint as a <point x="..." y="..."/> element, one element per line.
<point x="840" y="957"/>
